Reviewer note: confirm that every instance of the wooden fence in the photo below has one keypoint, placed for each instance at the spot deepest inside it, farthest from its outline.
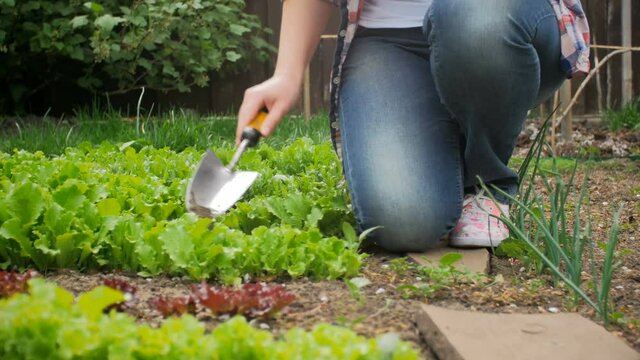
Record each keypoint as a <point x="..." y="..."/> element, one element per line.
<point x="604" y="91"/>
<point x="225" y="95"/>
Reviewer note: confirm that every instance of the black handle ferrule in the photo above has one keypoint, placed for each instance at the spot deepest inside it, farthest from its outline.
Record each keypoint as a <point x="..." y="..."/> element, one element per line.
<point x="251" y="135"/>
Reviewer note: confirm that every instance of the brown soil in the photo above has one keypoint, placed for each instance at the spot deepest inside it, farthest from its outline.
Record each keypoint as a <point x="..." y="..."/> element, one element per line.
<point x="509" y="288"/>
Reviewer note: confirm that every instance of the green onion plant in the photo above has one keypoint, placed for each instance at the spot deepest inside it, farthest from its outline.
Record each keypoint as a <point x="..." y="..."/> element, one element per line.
<point x="550" y="220"/>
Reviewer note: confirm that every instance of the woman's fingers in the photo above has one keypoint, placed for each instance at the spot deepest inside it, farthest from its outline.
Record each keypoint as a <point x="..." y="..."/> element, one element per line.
<point x="251" y="105"/>
<point x="278" y="94"/>
<point x="276" y="113"/>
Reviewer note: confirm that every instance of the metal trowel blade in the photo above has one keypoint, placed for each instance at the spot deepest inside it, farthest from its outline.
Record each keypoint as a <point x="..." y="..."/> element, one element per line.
<point x="214" y="189"/>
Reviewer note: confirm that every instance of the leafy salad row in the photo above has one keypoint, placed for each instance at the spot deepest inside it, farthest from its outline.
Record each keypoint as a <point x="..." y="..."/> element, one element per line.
<point x="49" y="323"/>
<point x="121" y="207"/>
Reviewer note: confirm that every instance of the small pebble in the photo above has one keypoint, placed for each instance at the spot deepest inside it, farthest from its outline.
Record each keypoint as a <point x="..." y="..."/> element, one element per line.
<point x="324" y="298"/>
<point x="388" y="342"/>
<point x="418" y="278"/>
<point x="620" y="287"/>
<point x="380" y="291"/>
<point x="264" y="326"/>
<point x="513" y="305"/>
<point x="554" y="310"/>
<point x="385" y="266"/>
<point x="605" y="203"/>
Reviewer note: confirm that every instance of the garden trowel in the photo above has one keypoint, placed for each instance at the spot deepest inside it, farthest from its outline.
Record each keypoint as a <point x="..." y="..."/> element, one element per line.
<point x="214" y="188"/>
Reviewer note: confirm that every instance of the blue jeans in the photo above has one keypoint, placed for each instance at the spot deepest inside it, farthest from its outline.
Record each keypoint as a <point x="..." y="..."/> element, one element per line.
<point x="425" y="111"/>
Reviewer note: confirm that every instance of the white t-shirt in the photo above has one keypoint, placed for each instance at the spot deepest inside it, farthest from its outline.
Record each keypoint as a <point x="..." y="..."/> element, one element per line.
<point x="393" y="13"/>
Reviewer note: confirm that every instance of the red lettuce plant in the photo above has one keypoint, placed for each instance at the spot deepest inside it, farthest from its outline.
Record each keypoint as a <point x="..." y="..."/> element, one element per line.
<point x="251" y="300"/>
<point x="121" y="285"/>
<point x="126" y="287"/>
<point x="12" y="282"/>
<point x="174" y="306"/>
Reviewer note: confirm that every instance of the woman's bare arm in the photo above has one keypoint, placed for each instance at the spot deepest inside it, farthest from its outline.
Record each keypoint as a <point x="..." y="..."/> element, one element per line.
<point x="303" y="22"/>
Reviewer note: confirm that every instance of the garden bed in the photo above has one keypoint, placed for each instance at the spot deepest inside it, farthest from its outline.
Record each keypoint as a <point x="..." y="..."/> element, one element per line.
<point x="386" y="302"/>
<point x="384" y="309"/>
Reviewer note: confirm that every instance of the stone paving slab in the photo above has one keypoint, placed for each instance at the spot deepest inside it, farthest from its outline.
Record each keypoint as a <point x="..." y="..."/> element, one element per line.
<point x="468" y="335"/>
<point x="476" y="260"/>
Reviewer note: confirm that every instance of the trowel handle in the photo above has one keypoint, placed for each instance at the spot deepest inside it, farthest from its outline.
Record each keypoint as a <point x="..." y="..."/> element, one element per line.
<point x="252" y="132"/>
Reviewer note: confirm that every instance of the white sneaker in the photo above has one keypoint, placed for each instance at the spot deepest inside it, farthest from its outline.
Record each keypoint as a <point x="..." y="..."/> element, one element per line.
<point x="476" y="228"/>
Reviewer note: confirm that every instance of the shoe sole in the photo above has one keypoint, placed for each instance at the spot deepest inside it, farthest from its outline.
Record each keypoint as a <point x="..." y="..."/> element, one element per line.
<point x="474" y="243"/>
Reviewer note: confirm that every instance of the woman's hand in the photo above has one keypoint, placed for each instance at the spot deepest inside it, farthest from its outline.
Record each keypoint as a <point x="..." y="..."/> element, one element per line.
<point x="277" y="94"/>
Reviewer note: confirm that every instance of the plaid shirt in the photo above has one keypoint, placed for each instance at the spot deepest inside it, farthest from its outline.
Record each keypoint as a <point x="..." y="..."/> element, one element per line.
<point x="574" y="32"/>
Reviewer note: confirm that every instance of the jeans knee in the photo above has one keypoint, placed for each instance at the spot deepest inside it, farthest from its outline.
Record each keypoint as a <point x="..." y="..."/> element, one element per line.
<point x="415" y="231"/>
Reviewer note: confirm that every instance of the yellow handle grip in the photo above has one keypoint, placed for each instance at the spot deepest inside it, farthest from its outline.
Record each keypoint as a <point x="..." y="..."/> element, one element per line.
<point x="252" y="133"/>
<point x="256" y="123"/>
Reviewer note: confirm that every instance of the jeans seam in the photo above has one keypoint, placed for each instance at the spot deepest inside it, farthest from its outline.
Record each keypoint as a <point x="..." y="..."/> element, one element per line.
<point x="347" y="169"/>
<point x="459" y="190"/>
<point x="433" y="59"/>
<point x="431" y="38"/>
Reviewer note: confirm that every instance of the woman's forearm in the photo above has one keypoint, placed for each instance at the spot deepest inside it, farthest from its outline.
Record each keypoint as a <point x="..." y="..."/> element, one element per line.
<point x="303" y="22"/>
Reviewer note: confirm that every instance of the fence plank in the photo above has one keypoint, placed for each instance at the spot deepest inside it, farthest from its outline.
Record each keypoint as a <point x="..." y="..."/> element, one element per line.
<point x="567" y="121"/>
<point x="636" y="42"/>
<point x="627" y="69"/>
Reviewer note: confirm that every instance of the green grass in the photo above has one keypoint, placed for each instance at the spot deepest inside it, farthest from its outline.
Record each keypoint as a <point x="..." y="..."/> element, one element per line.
<point x="628" y="117"/>
<point x="565" y="165"/>
<point x="176" y="130"/>
<point x="547" y="165"/>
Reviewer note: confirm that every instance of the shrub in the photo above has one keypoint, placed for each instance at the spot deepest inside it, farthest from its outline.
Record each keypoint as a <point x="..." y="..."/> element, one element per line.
<point x="114" y="46"/>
